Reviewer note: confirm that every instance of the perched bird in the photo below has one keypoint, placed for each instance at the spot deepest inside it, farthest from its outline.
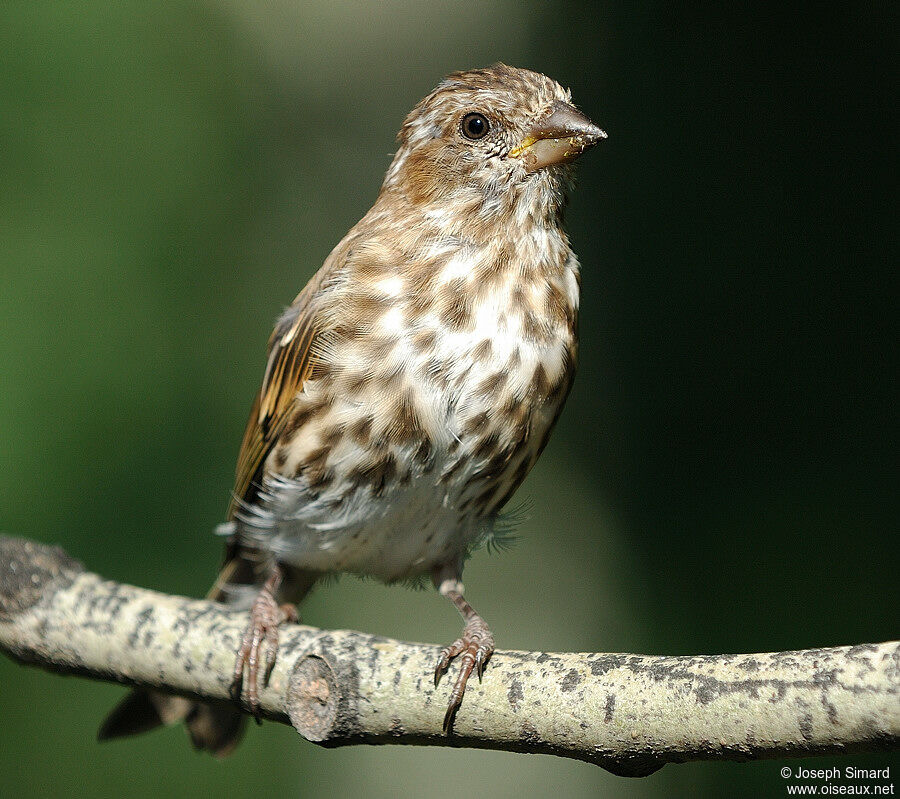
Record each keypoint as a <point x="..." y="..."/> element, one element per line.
<point x="413" y="383"/>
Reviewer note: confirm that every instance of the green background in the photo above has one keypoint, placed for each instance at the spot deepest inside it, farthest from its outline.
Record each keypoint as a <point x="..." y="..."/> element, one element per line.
<point x="722" y="479"/>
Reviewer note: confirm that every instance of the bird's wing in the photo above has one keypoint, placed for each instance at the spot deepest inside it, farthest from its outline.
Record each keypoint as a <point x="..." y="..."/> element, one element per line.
<point x="292" y="358"/>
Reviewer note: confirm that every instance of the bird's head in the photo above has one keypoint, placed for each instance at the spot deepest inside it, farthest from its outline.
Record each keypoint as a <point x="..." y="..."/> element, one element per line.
<point x="489" y="138"/>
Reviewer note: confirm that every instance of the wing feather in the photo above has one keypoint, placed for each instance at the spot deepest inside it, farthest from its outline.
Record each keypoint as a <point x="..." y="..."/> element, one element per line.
<point x="291" y="361"/>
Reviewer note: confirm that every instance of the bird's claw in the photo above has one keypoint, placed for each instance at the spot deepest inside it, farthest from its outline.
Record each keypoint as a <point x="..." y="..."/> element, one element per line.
<point x="262" y="631"/>
<point x="476" y="647"/>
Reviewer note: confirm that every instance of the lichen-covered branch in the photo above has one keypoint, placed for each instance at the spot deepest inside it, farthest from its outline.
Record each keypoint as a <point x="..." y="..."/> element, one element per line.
<point x="630" y="714"/>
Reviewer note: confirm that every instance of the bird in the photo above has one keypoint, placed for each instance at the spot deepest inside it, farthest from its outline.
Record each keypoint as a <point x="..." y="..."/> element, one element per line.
<point x="411" y="385"/>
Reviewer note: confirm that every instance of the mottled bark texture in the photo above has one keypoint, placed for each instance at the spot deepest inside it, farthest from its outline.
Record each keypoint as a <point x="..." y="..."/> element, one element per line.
<point x="630" y="714"/>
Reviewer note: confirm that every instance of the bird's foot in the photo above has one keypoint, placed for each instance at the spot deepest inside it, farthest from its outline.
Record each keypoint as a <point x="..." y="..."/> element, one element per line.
<point x="262" y="631"/>
<point x="476" y="645"/>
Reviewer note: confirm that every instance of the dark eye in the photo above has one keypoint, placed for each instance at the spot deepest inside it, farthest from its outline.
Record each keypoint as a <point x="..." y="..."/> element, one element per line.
<point x="475" y="126"/>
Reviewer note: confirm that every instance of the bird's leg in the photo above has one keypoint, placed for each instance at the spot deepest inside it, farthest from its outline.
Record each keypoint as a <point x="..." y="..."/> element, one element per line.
<point x="265" y="617"/>
<point x="476" y="645"/>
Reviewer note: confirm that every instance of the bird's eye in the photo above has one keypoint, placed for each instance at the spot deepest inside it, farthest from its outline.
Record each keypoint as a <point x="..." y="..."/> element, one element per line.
<point x="475" y="126"/>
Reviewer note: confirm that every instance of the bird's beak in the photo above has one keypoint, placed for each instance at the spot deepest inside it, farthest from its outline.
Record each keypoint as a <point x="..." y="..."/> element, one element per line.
<point x="562" y="135"/>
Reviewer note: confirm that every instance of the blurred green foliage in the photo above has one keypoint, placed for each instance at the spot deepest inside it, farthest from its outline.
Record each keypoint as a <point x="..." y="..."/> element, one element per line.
<point x="722" y="480"/>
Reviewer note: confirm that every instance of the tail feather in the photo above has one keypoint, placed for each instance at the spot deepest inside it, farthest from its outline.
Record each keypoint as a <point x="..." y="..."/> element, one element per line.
<point x="142" y="711"/>
<point x="213" y="727"/>
<point x="216" y="728"/>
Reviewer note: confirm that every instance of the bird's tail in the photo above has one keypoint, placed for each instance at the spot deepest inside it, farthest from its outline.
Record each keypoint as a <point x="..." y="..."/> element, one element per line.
<point x="215" y="727"/>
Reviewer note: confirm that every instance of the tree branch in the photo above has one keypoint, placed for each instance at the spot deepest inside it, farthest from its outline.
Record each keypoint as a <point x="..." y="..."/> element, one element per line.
<point x="630" y="714"/>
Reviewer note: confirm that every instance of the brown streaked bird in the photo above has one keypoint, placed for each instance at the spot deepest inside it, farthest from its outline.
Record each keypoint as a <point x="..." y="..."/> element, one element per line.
<point x="412" y="384"/>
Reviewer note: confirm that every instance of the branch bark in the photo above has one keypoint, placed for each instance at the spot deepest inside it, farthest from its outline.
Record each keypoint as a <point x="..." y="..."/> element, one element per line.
<point x="630" y="714"/>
